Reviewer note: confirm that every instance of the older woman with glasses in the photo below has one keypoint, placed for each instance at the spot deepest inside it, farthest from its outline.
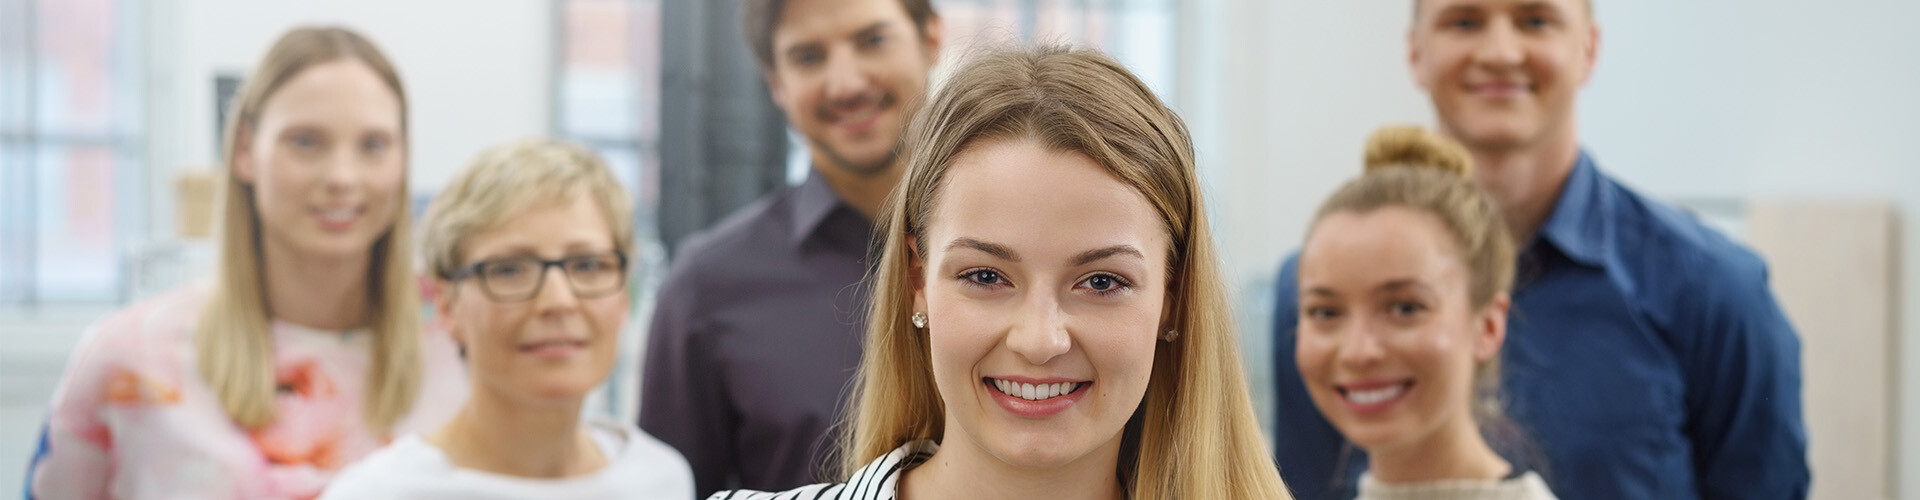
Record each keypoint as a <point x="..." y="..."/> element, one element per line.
<point x="529" y="250"/>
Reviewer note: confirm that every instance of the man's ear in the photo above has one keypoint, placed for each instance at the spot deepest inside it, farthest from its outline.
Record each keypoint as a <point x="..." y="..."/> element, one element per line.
<point x="1413" y="57"/>
<point x="1490" y="329"/>
<point x="1592" y="53"/>
<point x="775" y="89"/>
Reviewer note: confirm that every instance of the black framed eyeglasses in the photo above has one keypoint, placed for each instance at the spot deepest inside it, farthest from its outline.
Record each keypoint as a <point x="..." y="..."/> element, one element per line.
<point x="514" y="279"/>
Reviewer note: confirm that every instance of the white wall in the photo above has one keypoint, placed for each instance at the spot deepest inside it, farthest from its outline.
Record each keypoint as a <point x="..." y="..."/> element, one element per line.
<point x="477" y="73"/>
<point x="1280" y="96"/>
<point x="1717" y="99"/>
<point x="1772" y="99"/>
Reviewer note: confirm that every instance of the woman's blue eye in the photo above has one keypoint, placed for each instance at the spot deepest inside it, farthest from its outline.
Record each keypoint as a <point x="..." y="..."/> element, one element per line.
<point x="1105" y="284"/>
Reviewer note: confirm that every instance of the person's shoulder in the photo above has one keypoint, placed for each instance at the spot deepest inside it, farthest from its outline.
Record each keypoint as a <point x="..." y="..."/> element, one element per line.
<point x="1683" y="274"/>
<point x="1530" y="486"/>
<point x="636" y="441"/>
<point x="389" y="472"/>
<point x="410" y="455"/>
<point x="707" y="271"/>
<point x="1668" y="239"/>
<point x="878" y="480"/>
<point x="643" y="452"/>
<point x="750" y="229"/>
<point x="171" y="311"/>
<point x="145" y="328"/>
<point x="822" y="491"/>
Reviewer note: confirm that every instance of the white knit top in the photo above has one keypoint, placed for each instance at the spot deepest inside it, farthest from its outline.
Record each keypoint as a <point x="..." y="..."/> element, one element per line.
<point x="1526" y="486"/>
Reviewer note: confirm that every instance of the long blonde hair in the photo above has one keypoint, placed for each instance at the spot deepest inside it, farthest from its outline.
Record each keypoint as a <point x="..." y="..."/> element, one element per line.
<point x="1195" y="435"/>
<point x="233" y="344"/>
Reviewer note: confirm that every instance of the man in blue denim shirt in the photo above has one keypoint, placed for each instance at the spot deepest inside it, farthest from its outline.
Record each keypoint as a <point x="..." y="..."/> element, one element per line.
<point x="1646" y="357"/>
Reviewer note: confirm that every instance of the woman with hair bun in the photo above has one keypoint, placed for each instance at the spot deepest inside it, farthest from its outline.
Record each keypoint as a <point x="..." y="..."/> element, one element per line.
<point x="1403" y="288"/>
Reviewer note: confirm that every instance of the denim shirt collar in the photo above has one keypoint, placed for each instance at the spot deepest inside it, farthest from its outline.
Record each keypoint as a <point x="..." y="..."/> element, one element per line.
<point x="1579" y="226"/>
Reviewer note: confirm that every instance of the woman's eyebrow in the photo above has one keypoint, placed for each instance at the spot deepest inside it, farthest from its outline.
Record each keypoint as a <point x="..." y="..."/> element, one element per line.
<point x="1102" y="253"/>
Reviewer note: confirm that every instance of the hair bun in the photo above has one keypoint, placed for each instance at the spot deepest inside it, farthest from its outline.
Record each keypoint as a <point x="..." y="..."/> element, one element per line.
<point x="1415" y="147"/>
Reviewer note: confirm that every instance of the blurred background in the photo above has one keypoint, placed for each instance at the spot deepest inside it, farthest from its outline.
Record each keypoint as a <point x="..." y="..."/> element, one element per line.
<point x="1780" y="122"/>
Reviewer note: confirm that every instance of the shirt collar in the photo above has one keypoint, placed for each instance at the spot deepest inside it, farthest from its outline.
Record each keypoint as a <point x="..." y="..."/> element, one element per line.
<point x="813" y="201"/>
<point x="1579" y="226"/>
<point x="882" y="476"/>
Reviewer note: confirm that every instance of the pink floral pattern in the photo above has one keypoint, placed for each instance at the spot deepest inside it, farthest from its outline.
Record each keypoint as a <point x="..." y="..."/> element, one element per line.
<point x="132" y="418"/>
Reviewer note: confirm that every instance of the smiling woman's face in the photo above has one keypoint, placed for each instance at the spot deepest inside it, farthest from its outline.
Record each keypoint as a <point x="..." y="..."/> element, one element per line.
<point x="1388" y="338"/>
<point x="1044" y="283"/>
<point x="554" y="347"/>
<point x="326" y="162"/>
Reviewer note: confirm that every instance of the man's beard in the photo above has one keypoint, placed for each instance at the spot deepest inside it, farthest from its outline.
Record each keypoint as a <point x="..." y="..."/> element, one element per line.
<point x="868" y="169"/>
<point x="886" y="101"/>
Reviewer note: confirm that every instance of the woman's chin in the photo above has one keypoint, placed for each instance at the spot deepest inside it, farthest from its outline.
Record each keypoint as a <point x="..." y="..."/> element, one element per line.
<point x="1042" y="452"/>
<point x="1373" y="436"/>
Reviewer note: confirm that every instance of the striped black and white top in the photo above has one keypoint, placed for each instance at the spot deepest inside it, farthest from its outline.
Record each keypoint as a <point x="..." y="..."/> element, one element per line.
<point x="879" y="480"/>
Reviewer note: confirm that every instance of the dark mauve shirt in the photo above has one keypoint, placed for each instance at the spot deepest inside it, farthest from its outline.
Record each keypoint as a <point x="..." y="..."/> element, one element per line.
<point x="1645" y="356"/>
<point x="755" y="339"/>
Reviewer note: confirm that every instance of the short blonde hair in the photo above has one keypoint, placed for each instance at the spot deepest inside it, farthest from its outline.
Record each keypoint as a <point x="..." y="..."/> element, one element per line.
<point x="1195" y="435"/>
<point x="510" y="179"/>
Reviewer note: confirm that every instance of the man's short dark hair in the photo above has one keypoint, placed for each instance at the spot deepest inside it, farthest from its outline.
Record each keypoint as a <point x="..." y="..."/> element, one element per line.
<point x="759" y="18"/>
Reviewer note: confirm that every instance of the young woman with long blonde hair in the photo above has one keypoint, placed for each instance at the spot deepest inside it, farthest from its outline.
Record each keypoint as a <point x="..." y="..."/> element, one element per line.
<point x="1049" y="319"/>
<point x="305" y="351"/>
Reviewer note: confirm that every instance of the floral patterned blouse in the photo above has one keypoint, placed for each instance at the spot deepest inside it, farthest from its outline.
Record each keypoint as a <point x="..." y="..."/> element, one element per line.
<point x="133" y="418"/>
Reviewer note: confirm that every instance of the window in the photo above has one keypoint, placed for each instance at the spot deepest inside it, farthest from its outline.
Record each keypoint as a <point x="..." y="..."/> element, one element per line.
<point x="1139" y="33"/>
<point x="608" y="91"/>
<point x="607" y="97"/>
<point x="71" y="173"/>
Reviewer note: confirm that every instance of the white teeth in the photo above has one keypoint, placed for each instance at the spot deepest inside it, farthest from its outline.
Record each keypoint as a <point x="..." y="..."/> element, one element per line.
<point x="1033" y="392"/>
<point x="1376" y="395"/>
<point x="341" y="215"/>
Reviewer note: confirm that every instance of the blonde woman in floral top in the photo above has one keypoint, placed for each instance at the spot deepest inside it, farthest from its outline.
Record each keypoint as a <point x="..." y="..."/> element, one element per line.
<point x="305" y="351"/>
